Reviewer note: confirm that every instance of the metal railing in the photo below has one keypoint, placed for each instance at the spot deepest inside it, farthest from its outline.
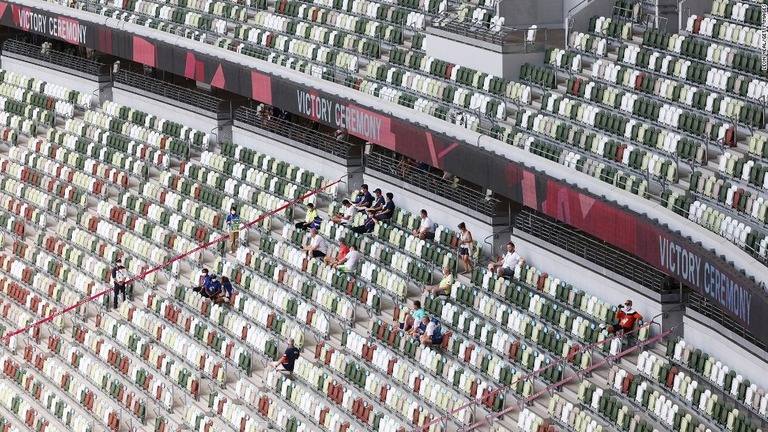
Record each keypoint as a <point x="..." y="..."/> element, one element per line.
<point x="591" y="249"/>
<point x="713" y="311"/>
<point x="510" y="39"/>
<point x="293" y="131"/>
<point x="57" y="58"/>
<point x="461" y="194"/>
<point x="171" y="91"/>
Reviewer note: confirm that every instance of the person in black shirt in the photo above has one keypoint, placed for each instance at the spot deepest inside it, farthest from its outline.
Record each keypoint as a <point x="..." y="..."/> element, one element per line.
<point x="367" y="227"/>
<point x="378" y="202"/>
<point x="288" y="360"/>
<point x="364" y="199"/>
<point x="388" y="211"/>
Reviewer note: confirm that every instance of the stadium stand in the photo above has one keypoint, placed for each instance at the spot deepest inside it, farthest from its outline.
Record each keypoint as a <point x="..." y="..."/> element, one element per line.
<point x="677" y="117"/>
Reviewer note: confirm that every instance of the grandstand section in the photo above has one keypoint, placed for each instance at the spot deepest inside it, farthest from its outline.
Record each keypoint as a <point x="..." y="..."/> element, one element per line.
<point x="625" y="159"/>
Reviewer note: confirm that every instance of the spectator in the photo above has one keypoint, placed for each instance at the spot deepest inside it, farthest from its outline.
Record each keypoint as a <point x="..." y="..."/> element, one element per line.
<point x="233" y="225"/>
<point x="466" y="246"/>
<point x="226" y="291"/>
<point x="368" y="225"/>
<point x="204" y="281"/>
<point x="288" y="360"/>
<point x="318" y="247"/>
<point x="505" y="265"/>
<point x="349" y="263"/>
<point x="343" y="251"/>
<point x="406" y="164"/>
<point x="388" y="210"/>
<point x="340" y="134"/>
<point x="414" y="318"/>
<point x="429" y="331"/>
<point x="444" y="287"/>
<point x="426" y="229"/>
<point x="627" y="317"/>
<point x="346" y="216"/>
<point x="364" y="199"/>
<point x="119" y="280"/>
<point x="213" y="290"/>
<point x="309" y="219"/>
<point x="378" y="201"/>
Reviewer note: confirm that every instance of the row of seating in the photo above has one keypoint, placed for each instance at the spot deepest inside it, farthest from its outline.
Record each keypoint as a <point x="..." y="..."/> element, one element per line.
<point x="133" y="131"/>
<point x="164" y="126"/>
<point x="59" y="93"/>
<point x="696" y="366"/>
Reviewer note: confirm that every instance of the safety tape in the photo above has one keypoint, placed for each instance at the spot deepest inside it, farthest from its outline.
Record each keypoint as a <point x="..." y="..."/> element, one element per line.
<point x="426" y="426"/>
<point x="160" y="266"/>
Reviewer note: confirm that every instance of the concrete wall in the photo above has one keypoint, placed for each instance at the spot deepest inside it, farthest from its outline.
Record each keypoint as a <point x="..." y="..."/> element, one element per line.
<point x="584" y="13"/>
<point x="71" y="80"/>
<point x="484" y="60"/>
<point x="169" y="109"/>
<point x="412" y="199"/>
<point x="518" y="13"/>
<point x="294" y="153"/>
<point x="726" y="347"/>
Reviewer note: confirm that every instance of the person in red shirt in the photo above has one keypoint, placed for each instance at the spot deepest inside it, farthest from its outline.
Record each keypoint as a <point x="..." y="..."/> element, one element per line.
<point x="627" y="317"/>
<point x="343" y="251"/>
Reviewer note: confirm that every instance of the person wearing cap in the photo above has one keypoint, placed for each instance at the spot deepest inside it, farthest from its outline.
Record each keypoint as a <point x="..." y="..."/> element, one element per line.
<point x="343" y="251"/>
<point x="346" y="216"/>
<point x="378" y="201"/>
<point x="288" y="360"/>
<point x="309" y="218"/>
<point x="364" y="199"/>
<point x="627" y="317"/>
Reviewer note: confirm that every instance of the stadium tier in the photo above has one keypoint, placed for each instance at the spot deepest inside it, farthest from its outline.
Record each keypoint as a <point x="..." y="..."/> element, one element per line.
<point x="133" y="172"/>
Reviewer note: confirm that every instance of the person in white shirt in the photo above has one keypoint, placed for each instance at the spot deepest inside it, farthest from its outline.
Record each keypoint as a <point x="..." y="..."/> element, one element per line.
<point x="346" y="216"/>
<point x="426" y="228"/>
<point x="349" y="263"/>
<point x="505" y="266"/>
<point x="318" y="247"/>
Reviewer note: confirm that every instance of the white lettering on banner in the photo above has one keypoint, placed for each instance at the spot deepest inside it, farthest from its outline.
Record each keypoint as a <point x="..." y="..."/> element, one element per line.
<point x="687" y="266"/>
<point x="351" y="119"/>
<point x="59" y="27"/>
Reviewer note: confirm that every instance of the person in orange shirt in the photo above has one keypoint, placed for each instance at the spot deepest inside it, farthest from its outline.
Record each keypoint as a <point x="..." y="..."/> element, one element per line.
<point x="627" y="317"/>
<point x="343" y="251"/>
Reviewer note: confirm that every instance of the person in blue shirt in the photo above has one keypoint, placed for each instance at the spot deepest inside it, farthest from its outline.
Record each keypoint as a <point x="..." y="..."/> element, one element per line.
<point x="205" y="281"/>
<point x="288" y="360"/>
<point x="364" y="199"/>
<point x="388" y="210"/>
<point x="226" y="291"/>
<point x="233" y="226"/>
<point x="213" y="290"/>
<point x="378" y="202"/>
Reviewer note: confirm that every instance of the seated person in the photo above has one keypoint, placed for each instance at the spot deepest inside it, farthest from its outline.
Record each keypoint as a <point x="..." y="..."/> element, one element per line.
<point x="429" y="331"/>
<point x="444" y="287"/>
<point x="412" y="321"/>
<point x="388" y="210"/>
<point x="627" y="317"/>
<point x="343" y="251"/>
<point x="346" y="216"/>
<point x="367" y="227"/>
<point x="213" y="290"/>
<point x="288" y="360"/>
<point x="426" y="230"/>
<point x="349" y="263"/>
<point x="309" y="218"/>
<point x="364" y="199"/>
<point x="505" y="265"/>
<point x="204" y="281"/>
<point x="226" y="291"/>
<point x="318" y="247"/>
<point x="378" y="202"/>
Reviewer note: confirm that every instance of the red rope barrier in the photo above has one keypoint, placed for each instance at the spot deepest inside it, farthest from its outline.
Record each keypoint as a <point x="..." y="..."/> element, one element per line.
<point x="474" y="401"/>
<point x="160" y="266"/>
